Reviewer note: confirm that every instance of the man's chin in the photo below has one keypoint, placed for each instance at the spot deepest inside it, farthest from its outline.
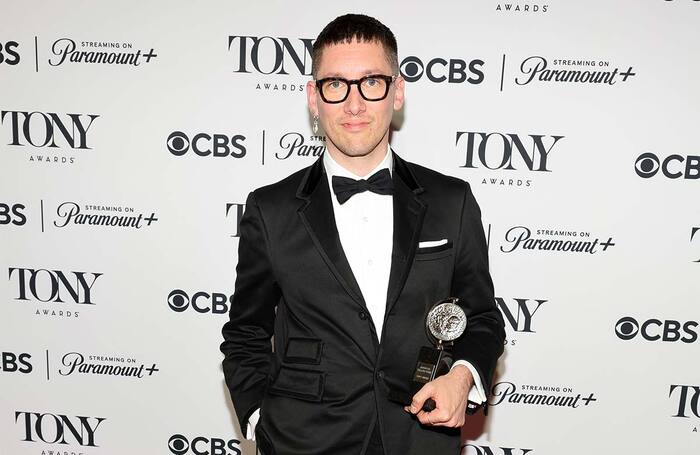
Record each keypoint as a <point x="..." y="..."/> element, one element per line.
<point x="355" y="151"/>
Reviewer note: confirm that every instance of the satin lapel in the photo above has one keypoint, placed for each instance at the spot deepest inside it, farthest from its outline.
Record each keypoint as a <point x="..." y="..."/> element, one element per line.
<point x="317" y="216"/>
<point x="409" y="212"/>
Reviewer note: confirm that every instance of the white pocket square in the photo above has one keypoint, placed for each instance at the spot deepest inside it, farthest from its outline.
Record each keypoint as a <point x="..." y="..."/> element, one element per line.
<point x="431" y="243"/>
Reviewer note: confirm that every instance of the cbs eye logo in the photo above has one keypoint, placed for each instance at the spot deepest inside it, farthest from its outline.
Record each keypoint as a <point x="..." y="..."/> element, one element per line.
<point x="654" y="330"/>
<point x="179" y="445"/>
<point x="203" y="144"/>
<point x="647" y="165"/>
<point x="439" y="70"/>
<point x="201" y="302"/>
<point x="672" y="167"/>
<point x="626" y="328"/>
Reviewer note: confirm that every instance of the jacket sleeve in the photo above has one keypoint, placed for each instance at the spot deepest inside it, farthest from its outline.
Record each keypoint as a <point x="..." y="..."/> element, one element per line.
<point x="482" y="343"/>
<point x="247" y="335"/>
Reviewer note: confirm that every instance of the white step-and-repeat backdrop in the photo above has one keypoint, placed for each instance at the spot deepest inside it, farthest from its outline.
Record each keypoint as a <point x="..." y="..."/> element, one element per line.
<point x="131" y="133"/>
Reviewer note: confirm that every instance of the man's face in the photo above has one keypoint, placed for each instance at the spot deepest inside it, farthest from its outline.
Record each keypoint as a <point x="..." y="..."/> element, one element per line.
<point x="355" y="127"/>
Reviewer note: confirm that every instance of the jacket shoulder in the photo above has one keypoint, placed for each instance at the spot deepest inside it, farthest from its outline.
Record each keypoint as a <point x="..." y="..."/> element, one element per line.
<point x="430" y="179"/>
<point x="284" y="189"/>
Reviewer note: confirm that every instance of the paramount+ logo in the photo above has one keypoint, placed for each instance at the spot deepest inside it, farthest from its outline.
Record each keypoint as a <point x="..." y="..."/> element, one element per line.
<point x="201" y="302"/>
<point x="672" y="166"/>
<point x="200" y="445"/>
<point x="669" y="330"/>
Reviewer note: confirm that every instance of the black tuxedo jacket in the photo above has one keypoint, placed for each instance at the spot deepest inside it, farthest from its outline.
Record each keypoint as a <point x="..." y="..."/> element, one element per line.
<point x="325" y="384"/>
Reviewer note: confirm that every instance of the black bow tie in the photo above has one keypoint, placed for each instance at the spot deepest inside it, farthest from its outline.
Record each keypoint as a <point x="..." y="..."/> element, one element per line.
<point x="379" y="182"/>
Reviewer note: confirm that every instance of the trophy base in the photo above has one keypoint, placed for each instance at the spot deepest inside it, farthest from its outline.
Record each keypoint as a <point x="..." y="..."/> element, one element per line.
<point x="431" y="363"/>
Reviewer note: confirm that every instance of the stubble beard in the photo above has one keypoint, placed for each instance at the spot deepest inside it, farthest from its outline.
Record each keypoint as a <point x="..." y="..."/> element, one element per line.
<point x="355" y="151"/>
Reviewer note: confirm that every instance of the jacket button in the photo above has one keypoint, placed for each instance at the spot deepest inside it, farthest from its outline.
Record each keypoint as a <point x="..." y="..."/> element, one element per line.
<point x="380" y="374"/>
<point x="362" y="315"/>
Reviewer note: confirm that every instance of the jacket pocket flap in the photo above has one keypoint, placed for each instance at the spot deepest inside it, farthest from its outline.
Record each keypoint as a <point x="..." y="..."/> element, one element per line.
<point x="303" y="350"/>
<point x="427" y="254"/>
<point x="303" y="384"/>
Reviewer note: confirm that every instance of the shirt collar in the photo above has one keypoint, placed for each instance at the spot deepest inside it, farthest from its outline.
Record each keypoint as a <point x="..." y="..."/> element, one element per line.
<point x="334" y="168"/>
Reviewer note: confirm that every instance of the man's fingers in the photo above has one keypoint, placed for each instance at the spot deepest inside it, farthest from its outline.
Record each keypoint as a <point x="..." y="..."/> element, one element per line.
<point x="448" y="395"/>
<point x="424" y="418"/>
<point x="436" y="418"/>
<point x="455" y="422"/>
<point x="419" y="398"/>
<point x="439" y="416"/>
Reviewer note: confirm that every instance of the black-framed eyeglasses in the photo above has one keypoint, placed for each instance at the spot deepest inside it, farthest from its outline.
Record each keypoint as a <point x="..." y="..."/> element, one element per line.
<point x="374" y="87"/>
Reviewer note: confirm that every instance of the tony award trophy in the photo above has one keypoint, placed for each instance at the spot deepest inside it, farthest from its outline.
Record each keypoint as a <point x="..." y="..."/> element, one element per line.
<point x="445" y="322"/>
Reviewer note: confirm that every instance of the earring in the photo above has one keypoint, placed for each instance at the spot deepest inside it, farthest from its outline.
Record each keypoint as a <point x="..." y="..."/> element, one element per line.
<point x="315" y="126"/>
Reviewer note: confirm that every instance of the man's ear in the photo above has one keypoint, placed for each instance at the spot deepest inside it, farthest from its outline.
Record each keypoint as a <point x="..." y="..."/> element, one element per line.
<point x="399" y="93"/>
<point x="312" y="98"/>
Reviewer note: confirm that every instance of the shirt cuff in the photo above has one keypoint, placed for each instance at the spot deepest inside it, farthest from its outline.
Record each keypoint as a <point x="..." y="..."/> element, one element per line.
<point x="476" y="393"/>
<point x="250" y="425"/>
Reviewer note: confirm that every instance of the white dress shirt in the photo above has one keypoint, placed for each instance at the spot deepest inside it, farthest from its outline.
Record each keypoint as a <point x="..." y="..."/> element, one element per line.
<point x="365" y="225"/>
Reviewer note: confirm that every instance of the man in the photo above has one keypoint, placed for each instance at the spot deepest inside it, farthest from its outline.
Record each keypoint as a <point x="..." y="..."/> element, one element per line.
<point x="342" y="273"/>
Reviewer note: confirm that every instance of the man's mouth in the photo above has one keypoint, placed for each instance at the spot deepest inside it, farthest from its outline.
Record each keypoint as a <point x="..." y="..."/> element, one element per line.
<point x="355" y="125"/>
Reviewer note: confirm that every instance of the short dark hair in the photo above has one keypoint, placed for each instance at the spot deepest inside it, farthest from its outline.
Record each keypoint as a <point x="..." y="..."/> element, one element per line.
<point x="359" y="27"/>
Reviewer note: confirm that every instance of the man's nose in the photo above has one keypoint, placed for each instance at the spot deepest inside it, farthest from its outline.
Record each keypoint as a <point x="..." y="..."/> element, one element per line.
<point x="355" y="104"/>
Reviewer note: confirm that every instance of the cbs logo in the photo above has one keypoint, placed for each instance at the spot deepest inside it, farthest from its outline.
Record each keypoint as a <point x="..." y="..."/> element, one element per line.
<point x="648" y="165"/>
<point x="11" y="362"/>
<point x="179" y="445"/>
<point x="201" y="302"/>
<point x="8" y="53"/>
<point x="440" y="70"/>
<point x="12" y="214"/>
<point x="654" y="329"/>
<point x="204" y="144"/>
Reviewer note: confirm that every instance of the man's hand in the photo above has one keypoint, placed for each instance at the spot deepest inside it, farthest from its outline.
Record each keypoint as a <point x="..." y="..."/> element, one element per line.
<point x="450" y="393"/>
